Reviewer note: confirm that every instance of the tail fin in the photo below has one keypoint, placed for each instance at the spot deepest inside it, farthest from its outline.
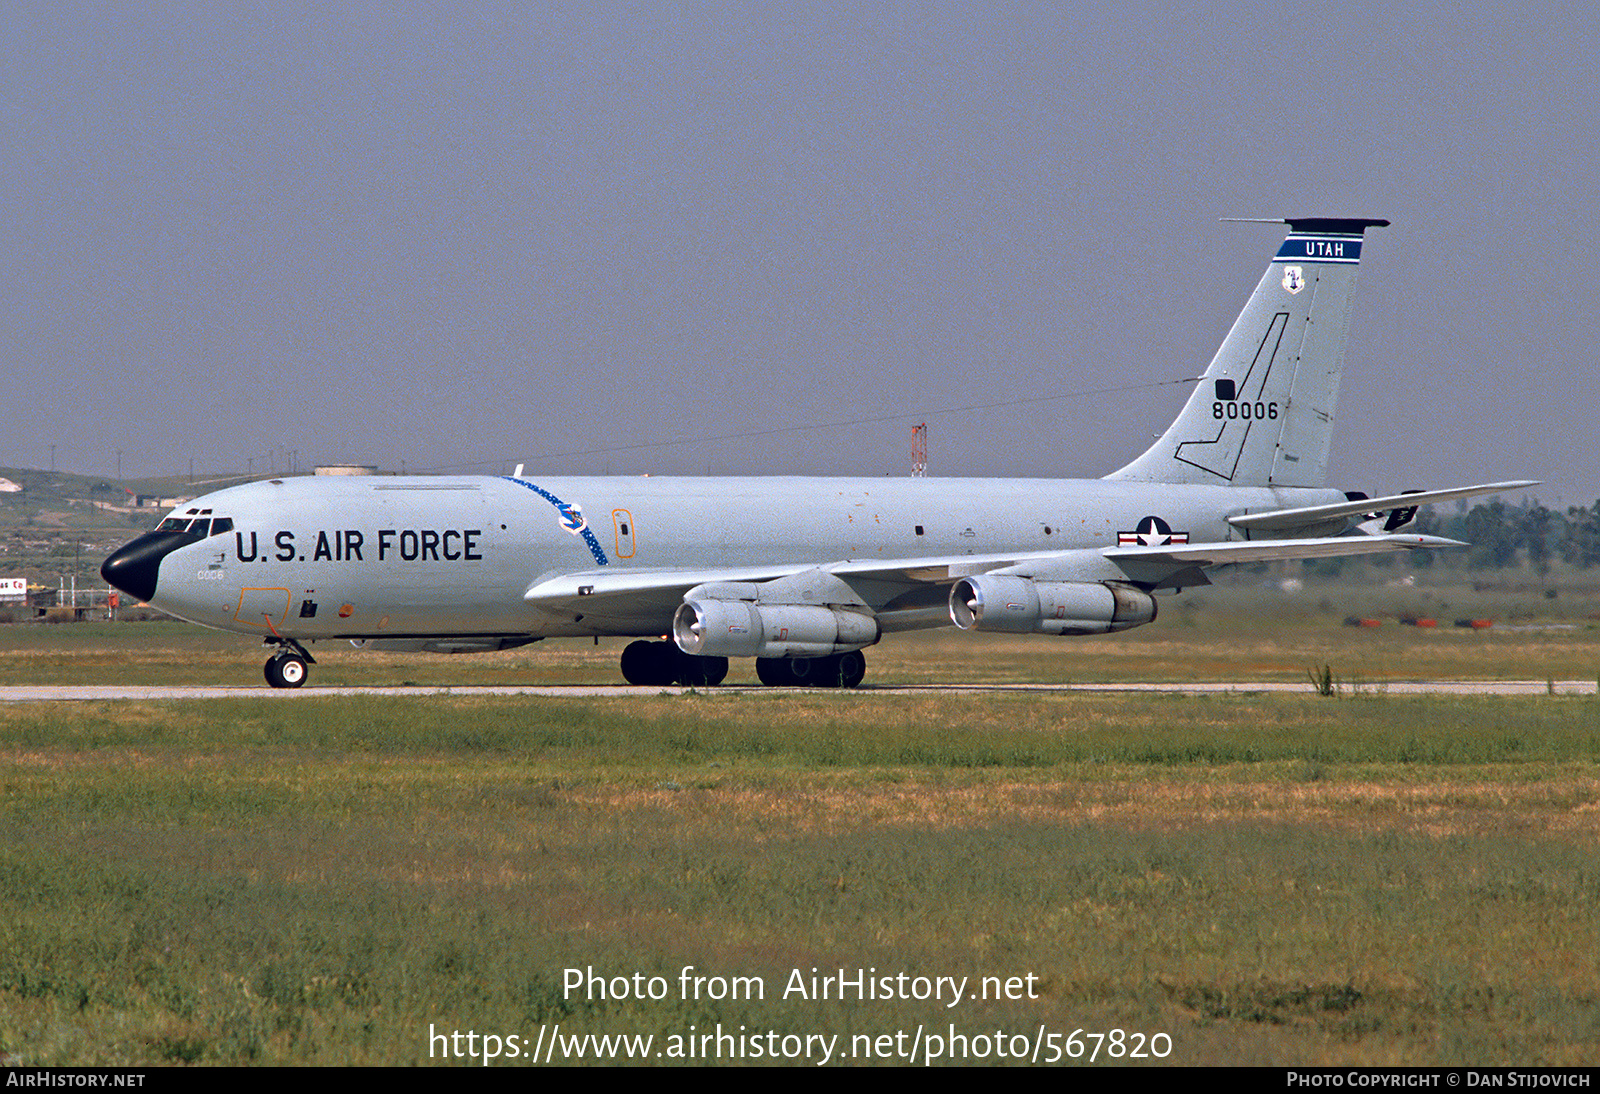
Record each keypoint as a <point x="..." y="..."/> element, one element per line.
<point x="1262" y="415"/>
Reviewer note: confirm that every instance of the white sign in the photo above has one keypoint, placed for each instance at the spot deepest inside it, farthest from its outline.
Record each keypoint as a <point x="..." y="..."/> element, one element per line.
<point x="13" y="588"/>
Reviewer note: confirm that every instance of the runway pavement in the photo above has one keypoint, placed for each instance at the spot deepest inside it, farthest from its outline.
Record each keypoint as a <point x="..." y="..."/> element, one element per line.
<point x="112" y="693"/>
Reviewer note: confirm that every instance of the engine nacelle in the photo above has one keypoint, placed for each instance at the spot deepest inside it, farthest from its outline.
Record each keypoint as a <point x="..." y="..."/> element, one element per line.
<point x="706" y="627"/>
<point x="1020" y="605"/>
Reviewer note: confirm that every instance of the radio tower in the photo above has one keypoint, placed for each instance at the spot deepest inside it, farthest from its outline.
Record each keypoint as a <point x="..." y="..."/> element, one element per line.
<point x="919" y="450"/>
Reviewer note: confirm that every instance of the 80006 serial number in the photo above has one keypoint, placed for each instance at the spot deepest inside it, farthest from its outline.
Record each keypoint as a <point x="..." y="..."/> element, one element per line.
<point x="1244" y="411"/>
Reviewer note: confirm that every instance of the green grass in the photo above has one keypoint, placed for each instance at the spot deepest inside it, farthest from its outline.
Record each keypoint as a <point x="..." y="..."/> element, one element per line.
<point x="1237" y="634"/>
<point x="1266" y="879"/>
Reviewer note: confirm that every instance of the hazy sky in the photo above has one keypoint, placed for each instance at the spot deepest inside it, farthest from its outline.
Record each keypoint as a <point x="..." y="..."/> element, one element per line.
<point x="478" y="234"/>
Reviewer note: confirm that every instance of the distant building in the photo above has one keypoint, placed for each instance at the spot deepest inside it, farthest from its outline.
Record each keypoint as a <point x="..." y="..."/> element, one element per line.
<point x="347" y="469"/>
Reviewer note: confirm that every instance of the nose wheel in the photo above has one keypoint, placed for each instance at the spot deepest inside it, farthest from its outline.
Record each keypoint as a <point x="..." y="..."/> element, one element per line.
<point x="289" y="667"/>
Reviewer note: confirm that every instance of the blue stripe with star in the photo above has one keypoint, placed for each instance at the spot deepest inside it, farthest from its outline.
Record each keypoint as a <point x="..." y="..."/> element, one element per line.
<point x="561" y="507"/>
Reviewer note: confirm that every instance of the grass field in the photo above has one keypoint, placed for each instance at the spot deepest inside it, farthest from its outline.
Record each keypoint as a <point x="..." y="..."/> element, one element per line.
<point x="1264" y="879"/>
<point x="1237" y="633"/>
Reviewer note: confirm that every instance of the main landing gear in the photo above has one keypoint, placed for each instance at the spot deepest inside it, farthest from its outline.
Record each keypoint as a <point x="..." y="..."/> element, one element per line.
<point x="288" y="667"/>
<point x="663" y="664"/>
<point x="842" y="670"/>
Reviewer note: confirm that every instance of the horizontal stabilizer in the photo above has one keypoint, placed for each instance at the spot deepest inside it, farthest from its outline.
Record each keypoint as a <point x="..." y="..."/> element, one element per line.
<point x="1284" y="519"/>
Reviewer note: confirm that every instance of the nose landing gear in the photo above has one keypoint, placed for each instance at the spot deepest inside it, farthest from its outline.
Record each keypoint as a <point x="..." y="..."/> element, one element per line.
<point x="289" y="667"/>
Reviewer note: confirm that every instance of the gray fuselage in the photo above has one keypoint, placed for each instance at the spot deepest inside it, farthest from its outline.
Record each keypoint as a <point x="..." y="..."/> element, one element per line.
<point x="390" y="557"/>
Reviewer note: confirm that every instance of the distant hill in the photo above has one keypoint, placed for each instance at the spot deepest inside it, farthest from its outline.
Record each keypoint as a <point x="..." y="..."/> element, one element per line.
<point x="54" y="523"/>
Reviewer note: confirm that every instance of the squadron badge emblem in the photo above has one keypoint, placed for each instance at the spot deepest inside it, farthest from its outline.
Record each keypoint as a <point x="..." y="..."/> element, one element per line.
<point x="572" y="519"/>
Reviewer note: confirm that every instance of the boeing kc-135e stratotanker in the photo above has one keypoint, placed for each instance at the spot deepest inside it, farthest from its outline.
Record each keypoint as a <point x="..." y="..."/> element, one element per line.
<point x="803" y="573"/>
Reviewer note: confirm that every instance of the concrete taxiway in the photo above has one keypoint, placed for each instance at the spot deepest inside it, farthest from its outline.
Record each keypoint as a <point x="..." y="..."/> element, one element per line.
<point x="113" y="693"/>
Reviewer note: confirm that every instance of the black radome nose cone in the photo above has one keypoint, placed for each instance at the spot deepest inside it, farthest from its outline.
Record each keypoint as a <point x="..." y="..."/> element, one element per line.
<point x="134" y="566"/>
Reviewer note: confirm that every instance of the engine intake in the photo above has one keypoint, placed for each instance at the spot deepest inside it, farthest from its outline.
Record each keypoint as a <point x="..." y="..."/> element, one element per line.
<point x="742" y="628"/>
<point x="1021" y="605"/>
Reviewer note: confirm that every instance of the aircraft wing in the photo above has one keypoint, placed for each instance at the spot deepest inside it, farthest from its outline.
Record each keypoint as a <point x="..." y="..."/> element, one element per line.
<point x="651" y="596"/>
<point x="1224" y="554"/>
<point x="1184" y="564"/>
<point x="559" y="589"/>
<point x="637" y="592"/>
<point x="1286" y="519"/>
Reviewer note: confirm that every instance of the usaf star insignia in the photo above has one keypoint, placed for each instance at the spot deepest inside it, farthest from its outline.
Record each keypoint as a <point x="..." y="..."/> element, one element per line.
<point x="1152" y="532"/>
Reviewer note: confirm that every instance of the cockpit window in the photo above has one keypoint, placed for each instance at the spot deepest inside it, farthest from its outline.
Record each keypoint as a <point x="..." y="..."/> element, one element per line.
<point x="200" y="528"/>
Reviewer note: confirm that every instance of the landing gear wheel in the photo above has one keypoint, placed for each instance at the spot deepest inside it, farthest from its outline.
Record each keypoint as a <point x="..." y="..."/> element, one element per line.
<point x="843" y="670"/>
<point x="774" y="672"/>
<point x="851" y="668"/>
<point x="809" y="672"/>
<point x="662" y="664"/>
<point x="286" y="670"/>
<point x="650" y="664"/>
<point x="700" y="672"/>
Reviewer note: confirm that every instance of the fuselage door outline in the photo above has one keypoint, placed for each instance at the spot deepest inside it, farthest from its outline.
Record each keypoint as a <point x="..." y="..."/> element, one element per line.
<point x="622" y="520"/>
<point x="264" y="608"/>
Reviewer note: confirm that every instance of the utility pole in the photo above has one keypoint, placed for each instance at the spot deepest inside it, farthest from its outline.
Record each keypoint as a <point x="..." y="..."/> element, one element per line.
<point x="919" y="450"/>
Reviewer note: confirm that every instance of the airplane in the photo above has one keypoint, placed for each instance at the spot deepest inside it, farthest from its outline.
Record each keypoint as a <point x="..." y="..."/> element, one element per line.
<point x="803" y="574"/>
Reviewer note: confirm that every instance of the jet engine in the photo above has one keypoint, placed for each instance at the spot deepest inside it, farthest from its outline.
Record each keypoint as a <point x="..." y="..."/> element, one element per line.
<point x="990" y="602"/>
<point x="742" y="628"/>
